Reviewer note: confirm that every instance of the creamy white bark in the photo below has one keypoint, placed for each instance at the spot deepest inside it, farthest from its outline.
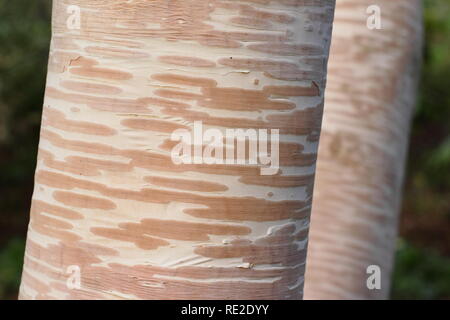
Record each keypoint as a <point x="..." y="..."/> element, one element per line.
<point x="108" y="197"/>
<point x="370" y="96"/>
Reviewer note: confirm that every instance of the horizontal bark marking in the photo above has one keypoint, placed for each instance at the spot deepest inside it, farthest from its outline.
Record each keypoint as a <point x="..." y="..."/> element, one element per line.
<point x="57" y="119"/>
<point x="82" y="201"/>
<point x="82" y="165"/>
<point x="184" y="80"/>
<point x="177" y="230"/>
<point x="115" y="53"/>
<point x="293" y="91"/>
<point x="284" y="49"/>
<point x="39" y="206"/>
<point x="153" y="125"/>
<point x="277" y="69"/>
<point x="90" y="87"/>
<point x="279" y="181"/>
<point x="187" y="61"/>
<point x="185" y="184"/>
<point x="140" y="240"/>
<point x="226" y="208"/>
<point x="285" y="255"/>
<point x="63" y="235"/>
<point x="102" y="73"/>
<point x="101" y="103"/>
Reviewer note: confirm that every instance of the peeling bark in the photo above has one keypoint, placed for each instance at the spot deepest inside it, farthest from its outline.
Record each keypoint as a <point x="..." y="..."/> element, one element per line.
<point x="109" y="200"/>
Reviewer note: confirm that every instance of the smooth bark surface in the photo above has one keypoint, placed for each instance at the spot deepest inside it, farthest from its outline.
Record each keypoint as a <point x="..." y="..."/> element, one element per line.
<point x="369" y="100"/>
<point x="108" y="198"/>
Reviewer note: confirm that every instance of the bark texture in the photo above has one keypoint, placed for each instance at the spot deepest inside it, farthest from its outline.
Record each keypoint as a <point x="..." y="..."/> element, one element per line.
<point x="108" y="197"/>
<point x="371" y="91"/>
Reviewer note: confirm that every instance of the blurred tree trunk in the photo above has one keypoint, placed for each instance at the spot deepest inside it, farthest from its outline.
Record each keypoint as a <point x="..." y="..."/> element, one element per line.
<point x="369" y="101"/>
<point x="112" y="215"/>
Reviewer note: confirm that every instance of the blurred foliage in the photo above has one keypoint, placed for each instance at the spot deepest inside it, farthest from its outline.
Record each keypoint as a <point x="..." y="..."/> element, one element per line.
<point x="11" y="259"/>
<point x="420" y="274"/>
<point x="432" y="125"/>
<point x="423" y="259"/>
<point x="24" y="38"/>
<point x="422" y="269"/>
<point x="426" y="216"/>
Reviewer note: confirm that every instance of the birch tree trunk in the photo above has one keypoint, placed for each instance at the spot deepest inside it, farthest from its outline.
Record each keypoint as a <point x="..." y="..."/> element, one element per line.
<point x="370" y="97"/>
<point x="111" y="206"/>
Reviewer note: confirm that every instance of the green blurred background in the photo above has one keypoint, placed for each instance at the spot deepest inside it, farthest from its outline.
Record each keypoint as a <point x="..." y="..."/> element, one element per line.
<point x="423" y="257"/>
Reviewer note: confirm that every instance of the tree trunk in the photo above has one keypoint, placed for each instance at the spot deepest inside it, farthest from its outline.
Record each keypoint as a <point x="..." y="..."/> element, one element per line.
<point x="370" y="97"/>
<point x="112" y="209"/>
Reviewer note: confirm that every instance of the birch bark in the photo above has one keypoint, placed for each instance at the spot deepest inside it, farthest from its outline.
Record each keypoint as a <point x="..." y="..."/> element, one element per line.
<point x="371" y="93"/>
<point x="111" y="207"/>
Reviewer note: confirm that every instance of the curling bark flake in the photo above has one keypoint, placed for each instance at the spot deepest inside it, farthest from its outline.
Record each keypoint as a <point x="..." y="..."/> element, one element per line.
<point x="108" y="200"/>
<point x="371" y="90"/>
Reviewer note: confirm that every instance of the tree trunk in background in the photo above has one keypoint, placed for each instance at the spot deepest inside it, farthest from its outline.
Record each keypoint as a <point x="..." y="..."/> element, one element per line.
<point x="110" y="203"/>
<point x="370" y="98"/>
